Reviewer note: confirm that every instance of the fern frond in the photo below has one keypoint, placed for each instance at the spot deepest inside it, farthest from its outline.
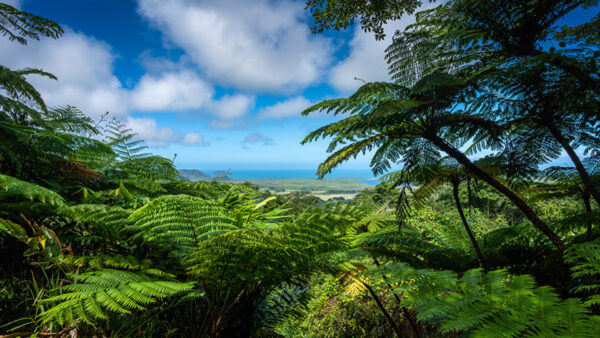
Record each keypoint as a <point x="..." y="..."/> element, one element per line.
<point x="180" y="221"/>
<point x="95" y="294"/>
<point x="12" y="188"/>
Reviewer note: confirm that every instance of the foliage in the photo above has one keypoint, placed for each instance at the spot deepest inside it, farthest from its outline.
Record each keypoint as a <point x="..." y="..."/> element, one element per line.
<point x="493" y="304"/>
<point x="340" y="14"/>
<point x="586" y="268"/>
<point x="98" y="237"/>
<point x="94" y="293"/>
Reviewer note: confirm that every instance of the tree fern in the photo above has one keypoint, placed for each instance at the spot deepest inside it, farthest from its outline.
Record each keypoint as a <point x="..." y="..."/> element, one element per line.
<point x="16" y="87"/>
<point x="503" y="62"/>
<point x="70" y="120"/>
<point x="123" y="141"/>
<point x="19" y="26"/>
<point x="492" y="305"/>
<point x="180" y="221"/>
<point x="130" y="263"/>
<point x="411" y="127"/>
<point x="94" y="294"/>
<point x="12" y="189"/>
<point x="106" y="222"/>
<point x="131" y="160"/>
<point x="586" y="268"/>
<point x="42" y="154"/>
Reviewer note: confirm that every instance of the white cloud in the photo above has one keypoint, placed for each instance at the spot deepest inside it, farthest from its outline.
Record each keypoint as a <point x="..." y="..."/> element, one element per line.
<point x="366" y="60"/>
<point x="193" y="138"/>
<point x="154" y="136"/>
<point x="255" y="138"/>
<point x="14" y="3"/>
<point x="257" y="45"/>
<point x="231" y="106"/>
<point x="83" y="66"/>
<point x="230" y="110"/>
<point x="288" y="108"/>
<point x="171" y="91"/>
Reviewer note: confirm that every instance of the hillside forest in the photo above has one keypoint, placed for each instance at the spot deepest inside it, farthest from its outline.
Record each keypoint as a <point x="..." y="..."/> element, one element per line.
<point x="472" y="232"/>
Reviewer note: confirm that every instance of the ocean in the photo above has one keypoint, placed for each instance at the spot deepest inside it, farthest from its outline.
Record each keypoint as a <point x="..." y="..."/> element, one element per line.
<point x="293" y="173"/>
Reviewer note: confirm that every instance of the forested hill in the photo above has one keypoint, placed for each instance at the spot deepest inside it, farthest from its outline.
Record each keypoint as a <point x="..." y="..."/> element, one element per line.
<point x="465" y="236"/>
<point x="194" y="175"/>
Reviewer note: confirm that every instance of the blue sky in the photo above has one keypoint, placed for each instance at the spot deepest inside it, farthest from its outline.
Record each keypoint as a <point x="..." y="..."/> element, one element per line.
<point x="219" y="83"/>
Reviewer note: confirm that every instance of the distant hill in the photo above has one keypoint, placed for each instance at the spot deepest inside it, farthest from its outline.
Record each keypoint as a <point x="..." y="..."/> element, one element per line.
<point x="194" y="175"/>
<point x="222" y="175"/>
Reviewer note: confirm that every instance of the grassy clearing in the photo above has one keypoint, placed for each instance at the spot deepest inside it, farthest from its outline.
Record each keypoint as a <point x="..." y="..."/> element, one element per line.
<point x="334" y="187"/>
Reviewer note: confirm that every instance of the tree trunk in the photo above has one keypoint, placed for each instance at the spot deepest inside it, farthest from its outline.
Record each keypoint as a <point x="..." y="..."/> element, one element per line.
<point x="585" y="177"/>
<point x="248" y="321"/>
<point x="588" y="208"/>
<point x="383" y="310"/>
<point x="519" y="202"/>
<point x="405" y="312"/>
<point x="466" y="224"/>
<point x="469" y="196"/>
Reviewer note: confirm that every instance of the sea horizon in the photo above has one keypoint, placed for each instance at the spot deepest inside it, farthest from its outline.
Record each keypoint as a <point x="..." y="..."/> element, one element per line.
<point x="240" y="174"/>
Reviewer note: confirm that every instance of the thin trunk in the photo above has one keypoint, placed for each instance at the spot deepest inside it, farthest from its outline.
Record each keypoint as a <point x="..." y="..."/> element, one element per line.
<point x="585" y="177"/>
<point x="405" y="312"/>
<point x="588" y="208"/>
<point x="249" y="317"/>
<point x="519" y="202"/>
<point x="586" y="201"/>
<point x="383" y="310"/>
<point x="467" y="227"/>
<point x="469" y="197"/>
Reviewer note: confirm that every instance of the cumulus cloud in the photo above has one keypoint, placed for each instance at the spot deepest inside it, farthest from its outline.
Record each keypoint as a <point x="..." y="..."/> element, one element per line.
<point x="155" y="136"/>
<point x="83" y="65"/>
<point x="171" y="91"/>
<point x="252" y="45"/>
<point x="288" y="108"/>
<point x="366" y="59"/>
<point x="257" y="138"/>
<point x="230" y="110"/>
<point x="230" y="107"/>
<point x="14" y="3"/>
<point x="84" y="68"/>
<point x="193" y="138"/>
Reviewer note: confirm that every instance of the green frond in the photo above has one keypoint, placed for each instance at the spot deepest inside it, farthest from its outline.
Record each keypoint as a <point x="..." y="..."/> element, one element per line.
<point x="349" y="151"/>
<point x="94" y="294"/>
<point x="130" y="263"/>
<point x="148" y="168"/>
<point x="69" y="119"/>
<point x="19" y="26"/>
<point x="496" y="304"/>
<point x="16" y="86"/>
<point x="12" y="229"/>
<point x="180" y="221"/>
<point x="12" y="189"/>
<point x="102" y="220"/>
<point x="123" y="141"/>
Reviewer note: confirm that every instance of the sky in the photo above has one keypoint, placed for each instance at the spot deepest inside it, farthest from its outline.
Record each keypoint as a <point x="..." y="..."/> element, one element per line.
<point x="219" y="83"/>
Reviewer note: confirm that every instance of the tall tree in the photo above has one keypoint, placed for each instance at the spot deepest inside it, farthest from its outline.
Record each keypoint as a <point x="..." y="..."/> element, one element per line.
<point x="410" y="127"/>
<point x="503" y="47"/>
<point x="430" y="177"/>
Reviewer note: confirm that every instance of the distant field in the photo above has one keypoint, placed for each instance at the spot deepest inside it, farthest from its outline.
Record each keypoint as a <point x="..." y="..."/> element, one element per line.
<point x="327" y="197"/>
<point x="325" y="189"/>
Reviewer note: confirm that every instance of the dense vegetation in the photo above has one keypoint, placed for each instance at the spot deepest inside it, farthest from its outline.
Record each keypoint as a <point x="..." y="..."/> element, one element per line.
<point x="99" y="238"/>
